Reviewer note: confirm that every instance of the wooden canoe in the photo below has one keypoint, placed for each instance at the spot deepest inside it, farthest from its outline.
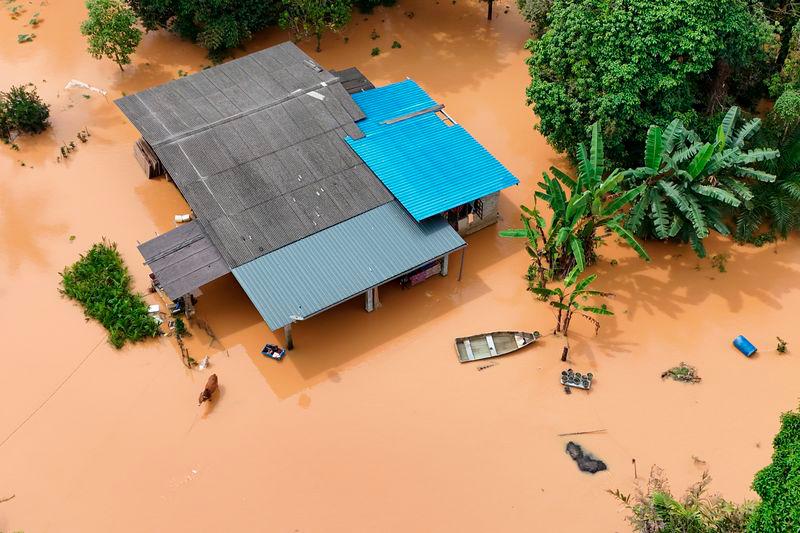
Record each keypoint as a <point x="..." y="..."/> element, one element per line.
<point x="493" y="344"/>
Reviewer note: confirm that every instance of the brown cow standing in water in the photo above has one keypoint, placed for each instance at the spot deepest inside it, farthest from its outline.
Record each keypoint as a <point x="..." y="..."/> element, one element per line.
<point x="211" y="388"/>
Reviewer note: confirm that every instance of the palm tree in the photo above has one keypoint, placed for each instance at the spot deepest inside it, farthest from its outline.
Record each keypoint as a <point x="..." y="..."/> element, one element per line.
<point x="686" y="183"/>
<point x="569" y="302"/>
<point x="567" y="245"/>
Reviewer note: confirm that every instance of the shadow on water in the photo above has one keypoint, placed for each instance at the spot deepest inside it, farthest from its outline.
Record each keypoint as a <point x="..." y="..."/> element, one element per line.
<point x="669" y="284"/>
<point x="341" y="335"/>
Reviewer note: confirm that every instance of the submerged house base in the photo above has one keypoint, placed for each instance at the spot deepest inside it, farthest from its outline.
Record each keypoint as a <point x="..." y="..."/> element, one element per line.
<point x="310" y="188"/>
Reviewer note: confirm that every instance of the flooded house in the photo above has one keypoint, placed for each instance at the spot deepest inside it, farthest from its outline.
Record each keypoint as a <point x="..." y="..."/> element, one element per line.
<point x="310" y="187"/>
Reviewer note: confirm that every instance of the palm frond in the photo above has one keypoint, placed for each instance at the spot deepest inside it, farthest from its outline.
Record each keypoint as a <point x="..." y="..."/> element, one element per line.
<point x="759" y="175"/>
<point x="597" y="155"/>
<point x="729" y="121"/>
<point x="672" y="135"/>
<point x="653" y="147"/>
<point x="747" y="130"/>
<point x="718" y="194"/>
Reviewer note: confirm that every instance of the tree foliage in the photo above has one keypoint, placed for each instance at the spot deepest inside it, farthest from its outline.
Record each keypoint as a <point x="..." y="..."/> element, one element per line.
<point x="216" y="25"/>
<point x="779" y="483"/>
<point x="311" y="18"/>
<point x="632" y="63"/>
<point x="535" y="12"/>
<point x="111" y="30"/>
<point x="100" y="282"/>
<point x="580" y="207"/>
<point x="655" y="509"/>
<point x="688" y="184"/>
<point x="22" y="111"/>
<point x="569" y="301"/>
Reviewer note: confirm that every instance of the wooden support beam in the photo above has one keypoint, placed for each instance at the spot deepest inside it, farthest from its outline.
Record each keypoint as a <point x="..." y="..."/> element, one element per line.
<point x="461" y="266"/>
<point x="445" y="264"/>
<point x="287" y="333"/>
<point x="376" y="298"/>
<point x="369" y="303"/>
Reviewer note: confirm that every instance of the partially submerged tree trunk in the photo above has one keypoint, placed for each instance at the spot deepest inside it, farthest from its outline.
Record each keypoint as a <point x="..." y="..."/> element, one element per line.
<point x="490" y="2"/>
<point x="319" y="41"/>
<point x="719" y="86"/>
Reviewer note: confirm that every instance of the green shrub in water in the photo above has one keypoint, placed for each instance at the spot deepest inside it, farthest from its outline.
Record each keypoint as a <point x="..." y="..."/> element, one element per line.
<point x="100" y="282"/>
<point x="22" y="111"/>
<point x="778" y="484"/>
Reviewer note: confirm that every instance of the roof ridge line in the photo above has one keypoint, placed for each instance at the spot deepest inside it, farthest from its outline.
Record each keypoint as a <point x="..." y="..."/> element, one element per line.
<point x="237" y="116"/>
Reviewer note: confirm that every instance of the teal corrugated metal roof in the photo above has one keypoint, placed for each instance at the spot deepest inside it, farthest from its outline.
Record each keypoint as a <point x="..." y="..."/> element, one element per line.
<point x="337" y="263"/>
<point x="428" y="166"/>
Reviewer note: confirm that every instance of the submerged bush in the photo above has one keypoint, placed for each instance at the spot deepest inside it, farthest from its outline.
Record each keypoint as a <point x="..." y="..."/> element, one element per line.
<point x="779" y="483"/>
<point x="100" y="282"/>
<point x="656" y="509"/>
<point x="22" y="111"/>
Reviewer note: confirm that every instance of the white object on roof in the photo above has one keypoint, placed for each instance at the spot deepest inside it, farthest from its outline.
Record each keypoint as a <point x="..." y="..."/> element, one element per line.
<point x="315" y="94"/>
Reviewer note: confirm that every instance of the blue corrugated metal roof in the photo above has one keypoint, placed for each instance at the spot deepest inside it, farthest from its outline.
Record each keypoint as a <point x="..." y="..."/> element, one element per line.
<point x="337" y="263"/>
<point x="430" y="167"/>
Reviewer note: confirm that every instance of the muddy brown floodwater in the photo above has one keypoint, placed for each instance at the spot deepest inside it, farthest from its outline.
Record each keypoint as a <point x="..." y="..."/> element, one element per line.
<point x="370" y="424"/>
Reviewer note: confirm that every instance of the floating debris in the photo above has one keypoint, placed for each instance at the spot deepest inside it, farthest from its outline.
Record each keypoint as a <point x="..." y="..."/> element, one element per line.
<point x="591" y="432"/>
<point x="375" y="51"/>
<point x="782" y="345"/>
<point x="586" y="462"/>
<point x="204" y="363"/>
<point x="25" y="37"/>
<point x="682" y="372"/>
<point x="744" y="345"/>
<point x="75" y="83"/>
<point x="576" y="379"/>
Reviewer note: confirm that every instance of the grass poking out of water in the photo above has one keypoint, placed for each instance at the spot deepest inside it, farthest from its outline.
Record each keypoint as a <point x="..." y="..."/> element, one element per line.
<point x="100" y="282"/>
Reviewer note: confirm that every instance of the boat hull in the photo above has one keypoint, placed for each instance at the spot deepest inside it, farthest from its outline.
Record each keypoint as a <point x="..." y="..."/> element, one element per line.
<point x="494" y="344"/>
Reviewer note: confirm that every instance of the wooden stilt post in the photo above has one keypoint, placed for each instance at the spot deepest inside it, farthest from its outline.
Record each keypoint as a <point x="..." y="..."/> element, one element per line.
<point x="461" y="266"/>
<point x="376" y="299"/>
<point x="445" y="264"/>
<point x="369" y="303"/>
<point x="287" y="333"/>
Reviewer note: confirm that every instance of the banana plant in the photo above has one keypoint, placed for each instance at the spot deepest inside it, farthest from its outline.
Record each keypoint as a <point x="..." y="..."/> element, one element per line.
<point x="580" y="207"/>
<point x="687" y="184"/>
<point x="569" y="302"/>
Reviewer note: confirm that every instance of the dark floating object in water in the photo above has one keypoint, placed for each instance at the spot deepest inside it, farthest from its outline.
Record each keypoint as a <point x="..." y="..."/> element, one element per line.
<point x="493" y="344"/>
<point x="273" y="352"/>
<point x="586" y="463"/>
<point x="576" y="379"/>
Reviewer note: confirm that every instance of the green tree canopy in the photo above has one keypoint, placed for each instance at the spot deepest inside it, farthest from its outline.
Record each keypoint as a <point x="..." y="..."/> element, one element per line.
<point x="111" y="30"/>
<point x="632" y="63"/>
<point x="307" y="18"/>
<point x="779" y="483"/>
<point x="216" y="25"/>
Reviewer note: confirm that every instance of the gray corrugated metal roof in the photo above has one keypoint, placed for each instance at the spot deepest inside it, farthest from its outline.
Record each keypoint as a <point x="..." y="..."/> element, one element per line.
<point x="183" y="259"/>
<point x="256" y="147"/>
<point x="335" y="264"/>
<point x="353" y="80"/>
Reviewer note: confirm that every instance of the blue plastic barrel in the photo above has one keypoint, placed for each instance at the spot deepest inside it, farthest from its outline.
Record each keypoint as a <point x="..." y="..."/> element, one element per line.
<point x="744" y="345"/>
